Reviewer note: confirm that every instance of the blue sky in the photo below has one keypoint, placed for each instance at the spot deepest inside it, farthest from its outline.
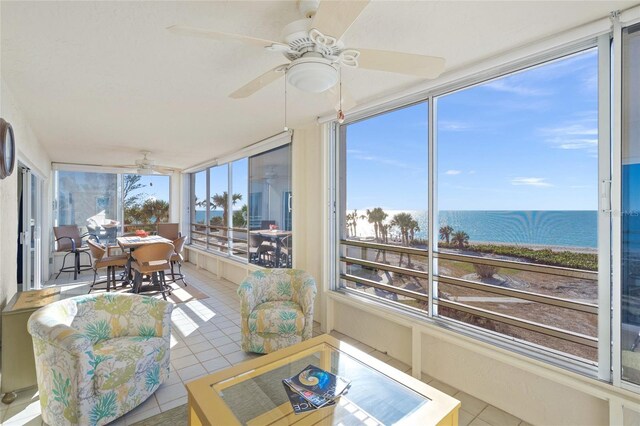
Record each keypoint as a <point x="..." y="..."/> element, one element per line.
<point x="218" y="178"/>
<point x="527" y="141"/>
<point x="155" y="186"/>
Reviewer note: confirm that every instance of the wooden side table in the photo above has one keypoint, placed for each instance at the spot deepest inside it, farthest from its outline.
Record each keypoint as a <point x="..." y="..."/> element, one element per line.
<point x="19" y="369"/>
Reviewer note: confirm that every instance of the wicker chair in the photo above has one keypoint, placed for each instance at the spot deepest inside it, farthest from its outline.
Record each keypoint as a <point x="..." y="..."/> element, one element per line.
<point x="170" y="231"/>
<point x="99" y="261"/>
<point x="152" y="260"/>
<point x="276" y="309"/>
<point x="177" y="259"/>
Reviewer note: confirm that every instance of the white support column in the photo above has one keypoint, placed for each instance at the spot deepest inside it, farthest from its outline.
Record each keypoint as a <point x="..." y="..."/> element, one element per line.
<point x="616" y="412"/>
<point x="416" y="352"/>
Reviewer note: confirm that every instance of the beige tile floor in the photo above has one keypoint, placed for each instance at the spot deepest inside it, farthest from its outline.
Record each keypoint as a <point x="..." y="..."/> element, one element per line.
<point x="206" y="338"/>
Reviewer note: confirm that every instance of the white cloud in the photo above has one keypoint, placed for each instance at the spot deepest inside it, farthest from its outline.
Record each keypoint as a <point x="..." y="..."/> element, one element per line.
<point x="573" y="136"/>
<point x="452" y="172"/>
<point x="530" y="181"/>
<point x="503" y="85"/>
<point x="453" y="126"/>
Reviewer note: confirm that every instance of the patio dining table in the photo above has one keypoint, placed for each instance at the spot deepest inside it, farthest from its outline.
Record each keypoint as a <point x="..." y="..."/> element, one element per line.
<point x="276" y="236"/>
<point x="129" y="243"/>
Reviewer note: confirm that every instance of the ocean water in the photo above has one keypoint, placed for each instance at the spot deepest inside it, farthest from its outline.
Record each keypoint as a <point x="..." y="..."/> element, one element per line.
<point x="536" y="227"/>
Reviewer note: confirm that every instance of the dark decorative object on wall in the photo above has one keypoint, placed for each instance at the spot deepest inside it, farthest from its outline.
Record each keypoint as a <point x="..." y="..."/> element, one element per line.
<point x="7" y="149"/>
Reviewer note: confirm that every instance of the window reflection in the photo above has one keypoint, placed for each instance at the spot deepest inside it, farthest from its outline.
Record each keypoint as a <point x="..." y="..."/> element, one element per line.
<point x="270" y="208"/>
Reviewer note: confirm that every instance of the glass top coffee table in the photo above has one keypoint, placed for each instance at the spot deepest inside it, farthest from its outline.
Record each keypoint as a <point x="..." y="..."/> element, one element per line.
<point x="252" y="393"/>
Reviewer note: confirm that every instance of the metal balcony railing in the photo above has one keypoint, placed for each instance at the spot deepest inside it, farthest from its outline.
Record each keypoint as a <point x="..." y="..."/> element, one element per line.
<point x="547" y="330"/>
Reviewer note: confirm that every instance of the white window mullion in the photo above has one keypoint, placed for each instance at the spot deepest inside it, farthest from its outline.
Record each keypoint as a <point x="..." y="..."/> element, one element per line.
<point x="616" y="203"/>
<point x="432" y="214"/>
<point x="604" y="208"/>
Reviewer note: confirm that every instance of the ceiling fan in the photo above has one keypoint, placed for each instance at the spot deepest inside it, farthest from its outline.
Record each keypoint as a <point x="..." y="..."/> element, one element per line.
<point x="315" y="53"/>
<point x="146" y="166"/>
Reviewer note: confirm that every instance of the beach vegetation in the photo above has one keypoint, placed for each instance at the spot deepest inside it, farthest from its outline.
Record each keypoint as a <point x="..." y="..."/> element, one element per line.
<point x="460" y="239"/>
<point x="485" y="271"/>
<point x="445" y="233"/>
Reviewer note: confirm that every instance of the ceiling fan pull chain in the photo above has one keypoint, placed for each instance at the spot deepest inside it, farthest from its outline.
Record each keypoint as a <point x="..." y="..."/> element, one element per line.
<point x="286" y="129"/>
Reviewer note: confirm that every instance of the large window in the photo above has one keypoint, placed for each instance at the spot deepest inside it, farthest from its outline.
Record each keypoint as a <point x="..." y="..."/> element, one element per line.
<point x="243" y="208"/>
<point x="270" y="208"/>
<point x="384" y="226"/>
<point x="518" y="181"/>
<point x="630" y="332"/>
<point x="515" y="218"/>
<point x="105" y="204"/>
<point x="146" y="201"/>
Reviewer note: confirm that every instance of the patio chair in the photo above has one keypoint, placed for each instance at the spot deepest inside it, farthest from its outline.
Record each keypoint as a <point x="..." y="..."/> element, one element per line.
<point x="99" y="261"/>
<point x="69" y="241"/>
<point x="260" y="251"/>
<point x="99" y="356"/>
<point x="170" y="231"/>
<point x="276" y="309"/>
<point x="176" y="258"/>
<point x="152" y="260"/>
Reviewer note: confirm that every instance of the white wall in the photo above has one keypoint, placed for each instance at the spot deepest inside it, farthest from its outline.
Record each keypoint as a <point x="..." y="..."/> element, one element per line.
<point x="30" y="152"/>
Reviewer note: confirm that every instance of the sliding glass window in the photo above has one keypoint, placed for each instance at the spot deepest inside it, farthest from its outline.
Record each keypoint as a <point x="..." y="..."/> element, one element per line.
<point x="383" y="226"/>
<point x="518" y="203"/>
<point x="630" y="327"/>
<point x="108" y="204"/>
<point x="243" y="209"/>
<point x="218" y="208"/>
<point x="516" y="208"/>
<point x="270" y="208"/>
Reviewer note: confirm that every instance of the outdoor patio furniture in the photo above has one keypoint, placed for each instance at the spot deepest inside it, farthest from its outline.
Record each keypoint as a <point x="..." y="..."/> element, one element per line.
<point x="105" y="229"/>
<point x="152" y="260"/>
<point x="276" y="309"/>
<point x="69" y="241"/>
<point x="99" y="261"/>
<point x="99" y="356"/>
<point x="176" y="258"/>
<point x="259" y="253"/>
<point x="170" y="231"/>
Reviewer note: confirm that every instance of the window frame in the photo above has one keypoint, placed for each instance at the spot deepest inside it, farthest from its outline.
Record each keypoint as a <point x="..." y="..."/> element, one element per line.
<point x="336" y="155"/>
<point x="264" y="146"/>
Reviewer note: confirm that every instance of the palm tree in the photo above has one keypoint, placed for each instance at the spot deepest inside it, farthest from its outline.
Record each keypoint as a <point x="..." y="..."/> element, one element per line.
<point x="445" y="233"/>
<point x="352" y="222"/>
<point x="460" y="238"/>
<point x="405" y="222"/>
<point x="155" y="209"/>
<point x="376" y="216"/>
<point x="222" y="201"/>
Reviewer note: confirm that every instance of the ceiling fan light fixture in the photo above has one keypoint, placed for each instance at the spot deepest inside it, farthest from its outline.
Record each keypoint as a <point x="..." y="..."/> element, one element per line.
<point x="313" y="75"/>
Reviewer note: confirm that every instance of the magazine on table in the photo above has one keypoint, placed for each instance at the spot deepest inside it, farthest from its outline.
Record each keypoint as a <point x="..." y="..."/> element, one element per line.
<point x="317" y="386"/>
<point x="298" y="403"/>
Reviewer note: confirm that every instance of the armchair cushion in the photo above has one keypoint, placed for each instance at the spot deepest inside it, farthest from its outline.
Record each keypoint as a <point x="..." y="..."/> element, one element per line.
<point x="276" y="309"/>
<point x="280" y="317"/>
<point x="124" y="358"/>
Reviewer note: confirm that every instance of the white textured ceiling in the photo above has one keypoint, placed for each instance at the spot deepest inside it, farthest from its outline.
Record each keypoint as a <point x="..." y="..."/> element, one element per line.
<point x="100" y="81"/>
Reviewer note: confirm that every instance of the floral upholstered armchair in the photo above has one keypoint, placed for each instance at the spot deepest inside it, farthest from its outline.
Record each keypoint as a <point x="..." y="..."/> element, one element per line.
<point x="99" y="356"/>
<point x="276" y="306"/>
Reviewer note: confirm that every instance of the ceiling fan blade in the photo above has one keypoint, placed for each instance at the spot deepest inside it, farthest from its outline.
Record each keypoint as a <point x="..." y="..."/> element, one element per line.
<point x="333" y="95"/>
<point x="217" y="35"/>
<point x="333" y="18"/>
<point x="260" y="82"/>
<point x="403" y="63"/>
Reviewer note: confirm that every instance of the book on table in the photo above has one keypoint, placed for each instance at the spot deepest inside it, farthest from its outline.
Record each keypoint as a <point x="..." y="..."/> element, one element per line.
<point x="316" y="387"/>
